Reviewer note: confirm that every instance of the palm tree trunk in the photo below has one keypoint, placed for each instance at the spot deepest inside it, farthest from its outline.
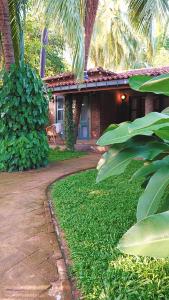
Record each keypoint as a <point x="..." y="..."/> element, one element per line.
<point x="44" y="42"/>
<point x="91" y="10"/>
<point x="90" y="15"/>
<point x="5" y="29"/>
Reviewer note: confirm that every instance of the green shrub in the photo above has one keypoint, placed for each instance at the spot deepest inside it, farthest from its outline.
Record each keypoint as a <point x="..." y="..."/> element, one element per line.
<point x="24" y="115"/>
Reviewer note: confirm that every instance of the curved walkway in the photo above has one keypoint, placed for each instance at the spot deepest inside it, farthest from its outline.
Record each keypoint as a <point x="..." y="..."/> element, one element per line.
<point x="31" y="263"/>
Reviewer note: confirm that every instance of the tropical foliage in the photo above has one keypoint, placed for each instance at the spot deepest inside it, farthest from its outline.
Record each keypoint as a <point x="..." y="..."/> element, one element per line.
<point x="70" y="16"/>
<point x="133" y="34"/>
<point x="68" y="123"/>
<point x="146" y="138"/>
<point x="24" y="115"/>
<point x="54" y="50"/>
<point x="120" y="46"/>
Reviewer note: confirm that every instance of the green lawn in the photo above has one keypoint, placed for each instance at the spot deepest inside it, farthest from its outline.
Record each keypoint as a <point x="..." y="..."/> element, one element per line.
<point x="94" y="217"/>
<point x="56" y="154"/>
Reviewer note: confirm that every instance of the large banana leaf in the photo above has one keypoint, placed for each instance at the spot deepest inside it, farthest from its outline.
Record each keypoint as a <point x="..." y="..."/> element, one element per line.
<point x="116" y="160"/>
<point x="114" y="164"/>
<point x="149" y="120"/>
<point x="149" y="237"/>
<point x="137" y="81"/>
<point x="150" y="200"/>
<point x="163" y="133"/>
<point x="157" y="85"/>
<point x="165" y="111"/>
<point x="150" y="168"/>
<point x="142" y="126"/>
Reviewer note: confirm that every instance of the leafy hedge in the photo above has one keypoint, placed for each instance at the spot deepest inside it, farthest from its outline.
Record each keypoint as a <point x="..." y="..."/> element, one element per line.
<point x="24" y="115"/>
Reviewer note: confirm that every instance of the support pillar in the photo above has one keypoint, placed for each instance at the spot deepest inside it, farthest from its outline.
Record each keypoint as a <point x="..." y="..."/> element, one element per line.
<point x="149" y="103"/>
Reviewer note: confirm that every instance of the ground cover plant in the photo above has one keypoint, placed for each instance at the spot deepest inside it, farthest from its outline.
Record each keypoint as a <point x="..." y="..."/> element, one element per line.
<point x="94" y="217"/>
<point x="57" y="154"/>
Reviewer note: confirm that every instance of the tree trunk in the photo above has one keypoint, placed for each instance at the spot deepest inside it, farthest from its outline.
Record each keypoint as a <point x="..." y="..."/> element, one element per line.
<point x="91" y="10"/>
<point x="5" y="29"/>
<point x="76" y="117"/>
<point x="44" y="42"/>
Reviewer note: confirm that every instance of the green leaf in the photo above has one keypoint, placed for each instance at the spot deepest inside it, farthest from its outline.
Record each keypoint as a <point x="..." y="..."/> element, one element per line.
<point x="114" y="163"/>
<point x="150" y="200"/>
<point x="136" y="82"/>
<point x="120" y="135"/>
<point x="142" y="126"/>
<point x="111" y="127"/>
<point x="149" y="237"/>
<point x="165" y="111"/>
<point x="157" y="85"/>
<point x="163" y="133"/>
<point x="153" y="118"/>
<point x="150" y="168"/>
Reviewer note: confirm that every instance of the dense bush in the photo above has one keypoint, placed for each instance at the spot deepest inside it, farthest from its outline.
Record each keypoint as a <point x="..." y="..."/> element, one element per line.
<point x="24" y="115"/>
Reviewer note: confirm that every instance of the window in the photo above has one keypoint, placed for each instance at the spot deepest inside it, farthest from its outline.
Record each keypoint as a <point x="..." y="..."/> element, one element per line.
<point x="60" y="109"/>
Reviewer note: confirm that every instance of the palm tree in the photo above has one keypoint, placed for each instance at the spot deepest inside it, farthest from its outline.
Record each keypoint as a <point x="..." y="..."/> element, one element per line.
<point x="12" y="14"/>
<point x="77" y="19"/>
<point x="6" y="35"/>
<point x="69" y="15"/>
<point x="90" y="15"/>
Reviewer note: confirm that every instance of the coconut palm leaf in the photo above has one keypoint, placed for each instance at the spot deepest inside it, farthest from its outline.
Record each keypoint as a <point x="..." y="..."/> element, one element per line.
<point x="70" y="16"/>
<point x="146" y="15"/>
<point x="119" y="45"/>
<point x="17" y="14"/>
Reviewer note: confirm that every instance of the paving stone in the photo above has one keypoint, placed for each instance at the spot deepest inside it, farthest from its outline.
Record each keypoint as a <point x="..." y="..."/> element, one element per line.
<point x="31" y="262"/>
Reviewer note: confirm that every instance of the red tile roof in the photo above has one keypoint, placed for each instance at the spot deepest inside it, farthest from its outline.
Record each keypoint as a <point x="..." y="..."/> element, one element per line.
<point x="99" y="74"/>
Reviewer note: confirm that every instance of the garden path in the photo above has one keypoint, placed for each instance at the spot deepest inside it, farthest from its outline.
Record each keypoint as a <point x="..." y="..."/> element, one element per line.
<point x="31" y="262"/>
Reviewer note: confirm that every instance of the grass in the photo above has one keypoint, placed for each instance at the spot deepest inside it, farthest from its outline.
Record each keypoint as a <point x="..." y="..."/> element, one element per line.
<point x="94" y="217"/>
<point x="57" y="154"/>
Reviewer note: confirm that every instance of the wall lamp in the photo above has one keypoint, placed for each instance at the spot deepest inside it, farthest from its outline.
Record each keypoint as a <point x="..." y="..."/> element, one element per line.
<point x="123" y="97"/>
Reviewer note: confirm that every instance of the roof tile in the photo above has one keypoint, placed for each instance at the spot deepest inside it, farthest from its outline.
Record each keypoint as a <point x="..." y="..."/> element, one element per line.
<point x="99" y="74"/>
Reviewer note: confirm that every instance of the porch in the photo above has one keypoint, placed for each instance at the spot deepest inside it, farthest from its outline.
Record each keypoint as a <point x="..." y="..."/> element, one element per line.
<point x="102" y="108"/>
<point x="105" y="98"/>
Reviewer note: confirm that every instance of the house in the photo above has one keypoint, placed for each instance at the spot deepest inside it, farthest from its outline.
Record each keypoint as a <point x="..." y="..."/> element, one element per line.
<point x="107" y="98"/>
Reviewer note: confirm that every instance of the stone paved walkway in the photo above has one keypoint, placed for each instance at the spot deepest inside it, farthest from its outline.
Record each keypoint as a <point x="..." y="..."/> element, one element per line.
<point x="31" y="263"/>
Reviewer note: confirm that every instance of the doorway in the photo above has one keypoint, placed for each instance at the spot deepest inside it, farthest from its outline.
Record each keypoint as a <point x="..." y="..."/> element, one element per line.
<point x="83" y="133"/>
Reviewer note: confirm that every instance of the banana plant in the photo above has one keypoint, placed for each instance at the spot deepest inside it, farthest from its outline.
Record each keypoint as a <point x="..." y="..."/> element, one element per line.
<point x="146" y="138"/>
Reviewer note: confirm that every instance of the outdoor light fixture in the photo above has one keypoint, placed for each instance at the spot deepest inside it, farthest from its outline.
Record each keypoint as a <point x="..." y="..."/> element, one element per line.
<point x="123" y="97"/>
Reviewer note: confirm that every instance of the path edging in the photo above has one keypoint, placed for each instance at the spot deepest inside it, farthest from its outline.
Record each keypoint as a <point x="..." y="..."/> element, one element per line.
<point x="75" y="293"/>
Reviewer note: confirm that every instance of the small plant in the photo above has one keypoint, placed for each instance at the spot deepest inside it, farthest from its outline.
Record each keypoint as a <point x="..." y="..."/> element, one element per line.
<point x="146" y="138"/>
<point x="24" y="115"/>
<point x="69" y="124"/>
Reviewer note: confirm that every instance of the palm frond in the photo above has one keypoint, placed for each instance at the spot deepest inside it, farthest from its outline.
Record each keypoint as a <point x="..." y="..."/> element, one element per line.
<point x="17" y="15"/>
<point x="145" y="13"/>
<point x="70" y="16"/>
<point x="119" y="42"/>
